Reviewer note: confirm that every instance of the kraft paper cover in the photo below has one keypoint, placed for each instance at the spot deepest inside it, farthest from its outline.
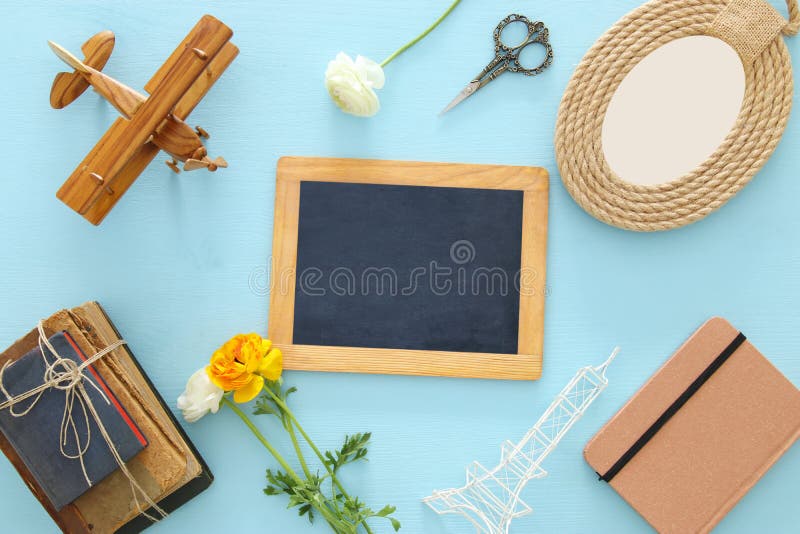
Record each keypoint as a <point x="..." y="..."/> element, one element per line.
<point x="715" y="448"/>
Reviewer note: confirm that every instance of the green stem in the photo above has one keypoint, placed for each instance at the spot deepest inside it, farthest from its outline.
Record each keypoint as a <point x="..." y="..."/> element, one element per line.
<point x="421" y="36"/>
<point x="334" y="522"/>
<point x="298" y="451"/>
<point x="311" y="444"/>
<point x="257" y="433"/>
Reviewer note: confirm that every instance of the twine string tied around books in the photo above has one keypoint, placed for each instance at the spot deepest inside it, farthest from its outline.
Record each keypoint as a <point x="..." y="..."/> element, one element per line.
<point x="64" y="374"/>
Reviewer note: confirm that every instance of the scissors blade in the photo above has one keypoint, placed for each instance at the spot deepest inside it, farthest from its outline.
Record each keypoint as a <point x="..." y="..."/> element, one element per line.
<point x="465" y="93"/>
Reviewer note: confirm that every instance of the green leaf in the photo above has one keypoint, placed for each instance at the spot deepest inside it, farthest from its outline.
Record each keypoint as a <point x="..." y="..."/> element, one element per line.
<point x="307" y="509"/>
<point x="280" y="482"/>
<point x="264" y="406"/>
<point x="276" y="388"/>
<point x="386" y="510"/>
<point x="349" y="514"/>
<point x="295" y="500"/>
<point x="353" y="449"/>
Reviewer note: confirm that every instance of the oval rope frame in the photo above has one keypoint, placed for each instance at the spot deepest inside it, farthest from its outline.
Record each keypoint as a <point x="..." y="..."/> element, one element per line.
<point x="758" y="128"/>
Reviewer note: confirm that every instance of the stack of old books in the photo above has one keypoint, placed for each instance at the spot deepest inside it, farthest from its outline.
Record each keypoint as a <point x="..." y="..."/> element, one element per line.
<point x="95" y="497"/>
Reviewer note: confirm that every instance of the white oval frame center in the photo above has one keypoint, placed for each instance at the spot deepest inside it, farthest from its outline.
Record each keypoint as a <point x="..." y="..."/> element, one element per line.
<point x="673" y="110"/>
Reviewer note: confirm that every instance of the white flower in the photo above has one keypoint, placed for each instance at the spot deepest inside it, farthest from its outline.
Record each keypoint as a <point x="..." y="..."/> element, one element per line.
<point x="200" y="397"/>
<point x="351" y="84"/>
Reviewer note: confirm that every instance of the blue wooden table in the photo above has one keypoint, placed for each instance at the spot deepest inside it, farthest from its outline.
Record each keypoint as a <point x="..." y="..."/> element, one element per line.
<point x="177" y="263"/>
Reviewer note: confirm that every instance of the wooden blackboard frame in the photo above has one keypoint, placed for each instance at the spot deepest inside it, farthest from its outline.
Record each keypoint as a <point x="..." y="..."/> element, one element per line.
<point x="532" y="181"/>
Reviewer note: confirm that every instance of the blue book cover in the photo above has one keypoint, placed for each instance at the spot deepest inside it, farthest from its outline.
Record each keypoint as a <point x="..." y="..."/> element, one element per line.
<point x="35" y="436"/>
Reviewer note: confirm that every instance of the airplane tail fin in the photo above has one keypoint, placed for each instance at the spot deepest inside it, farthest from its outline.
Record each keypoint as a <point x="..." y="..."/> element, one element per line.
<point x="65" y="56"/>
<point x="68" y="86"/>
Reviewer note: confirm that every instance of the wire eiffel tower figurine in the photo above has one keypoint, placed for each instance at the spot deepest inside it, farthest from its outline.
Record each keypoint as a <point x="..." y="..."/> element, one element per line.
<point x="491" y="498"/>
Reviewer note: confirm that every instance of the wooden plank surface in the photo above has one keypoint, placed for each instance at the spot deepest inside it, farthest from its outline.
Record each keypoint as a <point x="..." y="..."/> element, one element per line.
<point x="201" y="86"/>
<point x="411" y="173"/>
<point x="411" y="362"/>
<point x="533" y="268"/>
<point x="283" y="269"/>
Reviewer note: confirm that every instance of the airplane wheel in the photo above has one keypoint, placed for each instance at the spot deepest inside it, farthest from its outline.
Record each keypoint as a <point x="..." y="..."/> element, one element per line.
<point x="172" y="164"/>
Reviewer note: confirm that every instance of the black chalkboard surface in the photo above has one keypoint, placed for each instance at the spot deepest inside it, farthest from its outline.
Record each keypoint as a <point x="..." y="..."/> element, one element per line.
<point x="408" y="267"/>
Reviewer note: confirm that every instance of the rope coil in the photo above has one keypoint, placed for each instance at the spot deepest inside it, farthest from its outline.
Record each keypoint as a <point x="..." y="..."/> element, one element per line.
<point x="793" y="26"/>
<point x="757" y="131"/>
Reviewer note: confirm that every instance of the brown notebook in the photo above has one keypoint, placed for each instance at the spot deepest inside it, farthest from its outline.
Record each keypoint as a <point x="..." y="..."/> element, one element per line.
<point x="700" y="433"/>
<point x="170" y="469"/>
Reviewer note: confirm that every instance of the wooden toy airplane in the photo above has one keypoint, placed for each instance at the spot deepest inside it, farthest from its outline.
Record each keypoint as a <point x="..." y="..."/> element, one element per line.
<point x="148" y="124"/>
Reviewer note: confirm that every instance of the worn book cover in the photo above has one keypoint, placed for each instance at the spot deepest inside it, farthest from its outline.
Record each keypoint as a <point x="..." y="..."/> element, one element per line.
<point x="53" y="446"/>
<point x="170" y="469"/>
<point x="700" y="432"/>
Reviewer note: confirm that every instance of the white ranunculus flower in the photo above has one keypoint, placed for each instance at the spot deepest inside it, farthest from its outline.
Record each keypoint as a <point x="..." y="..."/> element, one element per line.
<point x="351" y="84"/>
<point x="200" y="397"/>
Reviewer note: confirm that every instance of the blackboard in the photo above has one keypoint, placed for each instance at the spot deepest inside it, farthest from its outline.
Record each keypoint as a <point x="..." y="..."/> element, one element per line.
<point x="412" y="268"/>
<point x="408" y="267"/>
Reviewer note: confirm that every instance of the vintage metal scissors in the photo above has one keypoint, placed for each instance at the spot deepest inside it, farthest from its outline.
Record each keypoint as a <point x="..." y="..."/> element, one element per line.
<point x="507" y="57"/>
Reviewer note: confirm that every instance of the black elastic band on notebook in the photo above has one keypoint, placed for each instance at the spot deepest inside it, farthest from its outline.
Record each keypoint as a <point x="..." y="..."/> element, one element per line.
<point x="674" y="407"/>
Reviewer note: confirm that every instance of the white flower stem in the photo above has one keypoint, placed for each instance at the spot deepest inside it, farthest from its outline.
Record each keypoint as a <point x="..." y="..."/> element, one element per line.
<point x="421" y="36"/>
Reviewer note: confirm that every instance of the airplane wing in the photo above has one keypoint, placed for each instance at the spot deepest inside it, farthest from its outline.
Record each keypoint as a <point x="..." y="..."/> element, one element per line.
<point x="98" y="173"/>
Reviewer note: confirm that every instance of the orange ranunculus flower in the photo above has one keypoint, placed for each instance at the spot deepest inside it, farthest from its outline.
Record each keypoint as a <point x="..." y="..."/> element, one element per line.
<point x="242" y="364"/>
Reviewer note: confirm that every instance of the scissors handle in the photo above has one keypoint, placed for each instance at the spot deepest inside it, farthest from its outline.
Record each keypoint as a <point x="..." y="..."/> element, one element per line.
<point x="537" y="34"/>
<point x="492" y="68"/>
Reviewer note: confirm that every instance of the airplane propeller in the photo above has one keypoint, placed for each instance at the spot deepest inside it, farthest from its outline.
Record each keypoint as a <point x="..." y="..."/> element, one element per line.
<point x="205" y="163"/>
